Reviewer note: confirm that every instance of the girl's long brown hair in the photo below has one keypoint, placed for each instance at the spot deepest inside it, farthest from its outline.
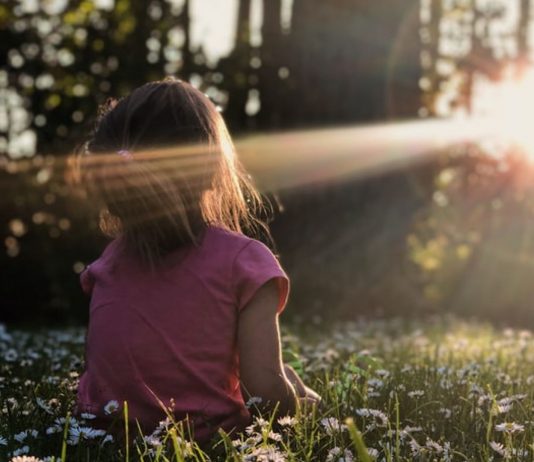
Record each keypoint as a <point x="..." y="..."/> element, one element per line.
<point x="161" y="166"/>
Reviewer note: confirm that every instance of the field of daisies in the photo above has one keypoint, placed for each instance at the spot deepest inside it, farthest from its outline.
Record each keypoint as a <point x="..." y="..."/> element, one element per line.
<point x="442" y="390"/>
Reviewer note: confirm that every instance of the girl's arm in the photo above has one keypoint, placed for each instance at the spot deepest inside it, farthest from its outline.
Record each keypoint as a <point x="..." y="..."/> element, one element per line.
<point x="260" y="358"/>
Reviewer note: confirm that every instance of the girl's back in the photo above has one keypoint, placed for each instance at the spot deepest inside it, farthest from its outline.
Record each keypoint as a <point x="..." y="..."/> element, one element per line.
<point x="167" y="338"/>
<point x="167" y="327"/>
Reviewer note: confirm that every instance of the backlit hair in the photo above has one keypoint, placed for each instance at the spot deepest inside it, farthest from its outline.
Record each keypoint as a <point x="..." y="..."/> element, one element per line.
<point x="162" y="167"/>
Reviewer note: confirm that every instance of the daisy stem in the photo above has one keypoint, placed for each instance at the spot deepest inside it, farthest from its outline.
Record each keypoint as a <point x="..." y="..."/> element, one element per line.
<point x="64" y="442"/>
<point x="127" y="453"/>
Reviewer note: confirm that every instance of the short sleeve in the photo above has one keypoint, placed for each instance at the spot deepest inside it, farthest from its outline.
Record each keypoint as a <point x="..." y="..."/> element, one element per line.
<point x="87" y="281"/>
<point x="254" y="266"/>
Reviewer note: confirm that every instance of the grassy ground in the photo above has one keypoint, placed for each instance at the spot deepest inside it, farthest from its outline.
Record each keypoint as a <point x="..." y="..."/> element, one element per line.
<point x="442" y="390"/>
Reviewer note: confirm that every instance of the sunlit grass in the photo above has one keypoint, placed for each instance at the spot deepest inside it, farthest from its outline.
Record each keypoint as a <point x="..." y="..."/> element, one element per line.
<point x="395" y="391"/>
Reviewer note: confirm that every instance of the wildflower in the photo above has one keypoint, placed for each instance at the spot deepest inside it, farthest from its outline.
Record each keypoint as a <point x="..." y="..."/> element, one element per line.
<point x="510" y="427"/>
<point x="416" y="393"/>
<point x="261" y="422"/>
<point x="414" y="447"/>
<point x="152" y="440"/>
<point x="250" y="430"/>
<point x="111" y="407"/>
<point x="498" y="448"/>
<point x="332" y="425"/>
<point x="61" y="421"/>
<point x="382" y="373"/>
<point x="3" y="441"/>
<point x="504" y="378"/>
<point x="502" y="408"/>
<point x="249" y="443"/>
<point x="87" y="416"/>
<point x="77" y="434"/>
<point x="407" y="431"/>
<point x="43" y="405"/>
<point x="337" y="455"/>
<point x="237" y="443"/>
<point x="21" y="451"/>
<point x="107" y="439"/>
<point x="375" y="383"/>
<point x="12" y="402"/>
<point x="287" y="421"/>
<point x="524" y="334"/>
<point x="447" y="452"/>
<point x="333" y="454"/>
<point x="475" y="390"/>
<point x="373" y="453"/>
<point x="508" y="332"/>
<point x="11" y="355"/>
<point x="432" y="445"/>
<point x="26" y="459"/>
<point x="163" y="426"/>
<point x="4" y="336"/>
<point x="265" y="454"/>
<point x="253" y="401"/>
<point x="521" y="454"/>
<point x="375" y="413"/>
<point x="20" y="437"/>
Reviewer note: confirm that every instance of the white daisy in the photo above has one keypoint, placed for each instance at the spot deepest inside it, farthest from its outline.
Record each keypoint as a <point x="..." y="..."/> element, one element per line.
<point x="510" y="427"/>
<point x="287" y="421"/>
<point x="26" y="459"/>
<point x="498" y="448"/>
<point x="21" y="451"/>
<point x="111" y="407"/>
<point x="253" y="401"/>
<point x="332" y="425"/>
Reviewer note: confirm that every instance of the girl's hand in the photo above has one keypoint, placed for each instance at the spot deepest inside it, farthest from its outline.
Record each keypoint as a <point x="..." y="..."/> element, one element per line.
<point x="310" y="402"/>
<point x="301" y="389"/>
<point x="312" y="396"/>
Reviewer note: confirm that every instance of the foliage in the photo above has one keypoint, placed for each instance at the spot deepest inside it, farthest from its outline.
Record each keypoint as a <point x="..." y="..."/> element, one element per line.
<point x="473" y="244"/>
<point x="443" y="390"/>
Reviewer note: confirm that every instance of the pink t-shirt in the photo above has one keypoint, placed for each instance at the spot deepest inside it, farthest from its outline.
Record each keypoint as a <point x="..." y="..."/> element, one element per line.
<point x="169" y="337"/>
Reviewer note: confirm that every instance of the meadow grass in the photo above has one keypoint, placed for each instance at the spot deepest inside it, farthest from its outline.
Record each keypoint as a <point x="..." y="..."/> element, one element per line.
<point x="439" y="390"/>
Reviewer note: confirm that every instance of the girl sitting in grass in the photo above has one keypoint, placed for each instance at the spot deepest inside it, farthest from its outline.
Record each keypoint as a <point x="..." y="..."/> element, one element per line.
<point x="184" y="306"/>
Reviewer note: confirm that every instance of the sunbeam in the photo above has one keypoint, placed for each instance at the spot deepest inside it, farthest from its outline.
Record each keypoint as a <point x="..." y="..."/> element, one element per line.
<point x="301" y="158"/>
<point x="294" y="159"/>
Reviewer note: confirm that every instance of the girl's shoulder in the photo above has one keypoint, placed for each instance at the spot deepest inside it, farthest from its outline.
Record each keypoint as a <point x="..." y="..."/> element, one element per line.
<point x="232" y="245"/>
<point x="98" y="266"/>
<point x="237" y="246"/>
<point x="232" y="240"/>
<point x="252" y="264"/>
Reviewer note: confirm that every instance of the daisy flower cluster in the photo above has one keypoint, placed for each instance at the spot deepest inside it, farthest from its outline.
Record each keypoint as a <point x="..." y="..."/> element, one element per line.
<point x="439" y="390"/>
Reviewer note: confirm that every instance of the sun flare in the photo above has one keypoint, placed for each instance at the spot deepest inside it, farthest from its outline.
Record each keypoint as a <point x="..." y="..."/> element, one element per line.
<point x="508" y="108"/>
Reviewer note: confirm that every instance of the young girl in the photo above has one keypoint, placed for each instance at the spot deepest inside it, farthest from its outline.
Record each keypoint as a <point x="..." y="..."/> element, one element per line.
<point x="184" y="307"/>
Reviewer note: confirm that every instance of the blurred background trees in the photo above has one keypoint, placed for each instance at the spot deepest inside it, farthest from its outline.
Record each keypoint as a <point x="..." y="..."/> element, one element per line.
<point x="453" y="233"/>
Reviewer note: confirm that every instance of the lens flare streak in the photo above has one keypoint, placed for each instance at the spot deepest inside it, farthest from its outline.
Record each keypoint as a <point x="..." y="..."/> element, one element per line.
<point x="294" y="159"/>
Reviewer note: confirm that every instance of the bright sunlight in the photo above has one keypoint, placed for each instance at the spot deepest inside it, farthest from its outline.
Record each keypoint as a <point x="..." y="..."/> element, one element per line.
<point x="507" y="106"/>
